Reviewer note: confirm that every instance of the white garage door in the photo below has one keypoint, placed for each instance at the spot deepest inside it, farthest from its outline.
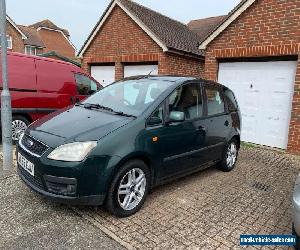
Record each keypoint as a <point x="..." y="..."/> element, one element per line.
<point x="264" y="91"/>
<point x="105" y="75"/>
<point x="135" y="70"/>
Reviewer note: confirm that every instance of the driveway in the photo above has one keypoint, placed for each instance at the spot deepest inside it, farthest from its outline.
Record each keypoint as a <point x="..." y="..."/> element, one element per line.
<point x="208" y="210"/>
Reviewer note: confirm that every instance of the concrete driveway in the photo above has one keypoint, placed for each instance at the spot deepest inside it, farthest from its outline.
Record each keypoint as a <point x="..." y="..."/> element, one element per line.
<point x="208" y="210"/>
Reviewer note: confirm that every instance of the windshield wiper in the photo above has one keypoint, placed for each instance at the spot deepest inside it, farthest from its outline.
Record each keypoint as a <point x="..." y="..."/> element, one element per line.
<point x="124" y="114"/>
<point x="96" y="106"/>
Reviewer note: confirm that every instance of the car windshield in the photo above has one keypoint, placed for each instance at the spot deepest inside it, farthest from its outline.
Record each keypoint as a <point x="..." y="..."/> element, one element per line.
<point x="130" y="97"/>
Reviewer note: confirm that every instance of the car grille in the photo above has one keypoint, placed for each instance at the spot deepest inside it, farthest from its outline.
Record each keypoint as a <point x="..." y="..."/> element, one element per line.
<point x="35" y="180"/>
<point x="33" y="146"/>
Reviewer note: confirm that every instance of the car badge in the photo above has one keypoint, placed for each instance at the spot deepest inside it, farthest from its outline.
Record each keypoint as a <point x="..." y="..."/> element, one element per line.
<point x="29" y="143"/>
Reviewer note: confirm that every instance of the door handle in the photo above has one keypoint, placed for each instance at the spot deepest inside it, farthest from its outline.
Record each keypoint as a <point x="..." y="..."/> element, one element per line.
<point x="226" y="123"/>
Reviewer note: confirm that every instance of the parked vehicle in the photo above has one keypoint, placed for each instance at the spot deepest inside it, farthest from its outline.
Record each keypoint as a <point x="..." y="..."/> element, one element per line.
<point x="39" y="86"/>
<point x="129" y="137"/>
<point x="296" y="212"/>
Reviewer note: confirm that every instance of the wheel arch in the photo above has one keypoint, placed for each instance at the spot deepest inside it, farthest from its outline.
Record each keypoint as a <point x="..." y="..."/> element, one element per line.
<point x="238" y="139"/>
<point x="25" y="115"/>
<point x="137" y="156"/>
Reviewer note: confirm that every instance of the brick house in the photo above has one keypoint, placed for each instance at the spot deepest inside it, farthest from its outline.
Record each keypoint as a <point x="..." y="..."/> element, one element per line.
<point x="39" y="38"/>
<point x="130" y="39"/>
<point x="255" y="51"/>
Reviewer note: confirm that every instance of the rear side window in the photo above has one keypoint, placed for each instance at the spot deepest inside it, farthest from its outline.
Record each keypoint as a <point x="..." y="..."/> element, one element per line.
<point x="231" y="101"/>
<point x="215" y="103"/>
<point x="85" y="85"/>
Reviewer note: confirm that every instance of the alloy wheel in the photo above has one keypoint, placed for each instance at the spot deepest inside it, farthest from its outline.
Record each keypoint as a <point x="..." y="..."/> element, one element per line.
<point x="132" y="189"/>
<point x="231" y="155"/>
<point x="17" y="129"/>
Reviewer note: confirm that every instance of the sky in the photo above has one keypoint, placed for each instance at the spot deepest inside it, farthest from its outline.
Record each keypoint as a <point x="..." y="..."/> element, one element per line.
<point x="80" y="16"/>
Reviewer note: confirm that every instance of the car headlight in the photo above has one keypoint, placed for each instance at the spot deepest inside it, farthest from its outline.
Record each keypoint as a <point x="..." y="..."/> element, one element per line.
<point x="75" y="151"/>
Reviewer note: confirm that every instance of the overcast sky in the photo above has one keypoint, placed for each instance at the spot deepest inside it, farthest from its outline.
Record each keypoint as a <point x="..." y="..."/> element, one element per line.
<point x="80" y="16"/>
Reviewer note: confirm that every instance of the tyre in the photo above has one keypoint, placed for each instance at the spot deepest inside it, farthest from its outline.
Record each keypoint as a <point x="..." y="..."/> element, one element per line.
<point x="128" y="189"/>
<point x="18" y="127"/>
<point x="230" y="156"/>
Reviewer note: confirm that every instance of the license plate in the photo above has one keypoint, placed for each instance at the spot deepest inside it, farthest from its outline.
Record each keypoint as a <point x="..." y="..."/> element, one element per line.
<point x="27" y="165"/>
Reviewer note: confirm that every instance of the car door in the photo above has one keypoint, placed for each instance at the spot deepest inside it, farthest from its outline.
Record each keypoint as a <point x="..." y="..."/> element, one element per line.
<point x="182" y="143"/>
<point x="219" y="122"/>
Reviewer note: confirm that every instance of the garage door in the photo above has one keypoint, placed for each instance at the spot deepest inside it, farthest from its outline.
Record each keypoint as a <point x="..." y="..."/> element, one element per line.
<point x="264" y="91"/>
<point x="105" y="75"/>
<point x="134" y="70"/>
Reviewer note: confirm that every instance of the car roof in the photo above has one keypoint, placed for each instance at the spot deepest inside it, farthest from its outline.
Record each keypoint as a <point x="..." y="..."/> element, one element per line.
<point x="174" y="79"/>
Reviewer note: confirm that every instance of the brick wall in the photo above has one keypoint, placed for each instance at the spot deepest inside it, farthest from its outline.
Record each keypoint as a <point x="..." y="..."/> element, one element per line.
<point x="122" y="41"/>
<point x="179" y="65"/>
<point x="267" y="28"/>
<point x="55" y="41"/>
<point x="17" y="41"/>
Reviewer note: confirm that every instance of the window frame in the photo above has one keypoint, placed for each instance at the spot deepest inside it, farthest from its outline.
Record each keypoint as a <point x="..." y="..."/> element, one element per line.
<point x="8" y="38"/>
<point x="31" y="47"/>
<point x="218" y="88"/>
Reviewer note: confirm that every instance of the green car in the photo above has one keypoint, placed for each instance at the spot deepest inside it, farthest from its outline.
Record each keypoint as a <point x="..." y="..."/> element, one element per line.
<point x="128" y="138"/>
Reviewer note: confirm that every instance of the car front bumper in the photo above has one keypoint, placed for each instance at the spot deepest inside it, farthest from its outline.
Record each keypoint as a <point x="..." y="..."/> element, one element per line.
<point x="91" y="200"/>
<point x="73" y="183"/>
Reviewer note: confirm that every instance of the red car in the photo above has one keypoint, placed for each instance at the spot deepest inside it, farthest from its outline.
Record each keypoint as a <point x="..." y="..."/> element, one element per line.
<point x="39" y="86"/>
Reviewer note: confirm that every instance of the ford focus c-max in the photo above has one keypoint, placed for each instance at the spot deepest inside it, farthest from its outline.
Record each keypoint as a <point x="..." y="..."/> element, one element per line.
<point x="129" y="137"/>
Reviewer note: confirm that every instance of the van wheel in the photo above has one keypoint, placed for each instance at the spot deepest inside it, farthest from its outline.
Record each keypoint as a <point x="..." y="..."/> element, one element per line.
<point x="128" y="190"/>
<point x="18" y="127"/>
<point x="229" y="157"/>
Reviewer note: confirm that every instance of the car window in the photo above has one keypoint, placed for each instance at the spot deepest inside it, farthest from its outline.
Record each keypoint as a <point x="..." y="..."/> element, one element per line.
<point x="157" y="115"/>
<point x="130" y="96"/>
<point x="215" y="104"/>
<point x="187" y="99"/>
<point x="85" y="85"/>
<point x="231" y="101"/>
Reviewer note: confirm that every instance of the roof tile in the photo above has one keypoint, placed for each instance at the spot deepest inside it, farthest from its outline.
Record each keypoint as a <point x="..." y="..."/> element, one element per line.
<point x="175" y="35"/>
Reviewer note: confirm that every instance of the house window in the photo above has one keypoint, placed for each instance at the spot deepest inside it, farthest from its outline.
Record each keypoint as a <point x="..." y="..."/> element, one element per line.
<point x="9" y="42"/>
<point x="30" y="50"/>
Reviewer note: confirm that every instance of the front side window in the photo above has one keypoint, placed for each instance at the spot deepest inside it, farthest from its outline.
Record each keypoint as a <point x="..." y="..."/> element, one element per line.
<point x="85" y="85"/>
<point x="132" y="97"/>
<point x="156" y="118"/>
<point x="9" y="42"/>
<point x="215" y="103"/>
<point x="187" y="99"/>
<point x="30" y="50"/>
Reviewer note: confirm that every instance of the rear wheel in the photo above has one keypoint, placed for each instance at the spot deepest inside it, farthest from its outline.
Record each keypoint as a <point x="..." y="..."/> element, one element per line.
<point x="230" y="155"/>
<point x="18" y="127"/>
<point x="128" y="189"/>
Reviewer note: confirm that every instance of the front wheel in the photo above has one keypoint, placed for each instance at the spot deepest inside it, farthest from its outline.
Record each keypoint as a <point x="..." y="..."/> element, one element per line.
<point x="18" y="127"/>
<point x="129" y="188"/>
<point x="229" y="157"/>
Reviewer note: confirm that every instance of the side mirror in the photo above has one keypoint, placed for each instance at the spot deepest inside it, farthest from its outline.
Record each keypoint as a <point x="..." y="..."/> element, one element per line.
<point x="176" y="116"/>
<point x="154" y="120"/>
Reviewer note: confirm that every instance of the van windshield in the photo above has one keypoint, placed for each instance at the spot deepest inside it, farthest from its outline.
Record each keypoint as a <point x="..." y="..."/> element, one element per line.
<point x="131" y="97"/>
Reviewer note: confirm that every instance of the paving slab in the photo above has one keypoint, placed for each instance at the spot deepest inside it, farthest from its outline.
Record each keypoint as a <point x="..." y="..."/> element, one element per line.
<point x="28" y="221"/>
